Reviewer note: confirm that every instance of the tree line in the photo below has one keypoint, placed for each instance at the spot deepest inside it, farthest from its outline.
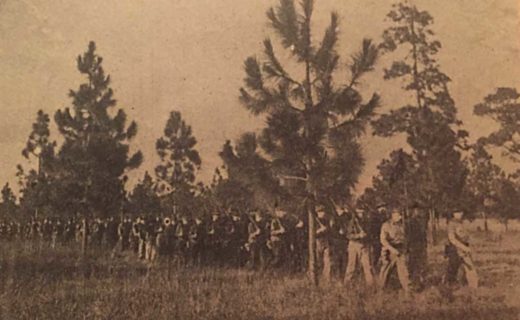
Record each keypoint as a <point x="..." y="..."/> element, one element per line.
<point x="309" y="152"/>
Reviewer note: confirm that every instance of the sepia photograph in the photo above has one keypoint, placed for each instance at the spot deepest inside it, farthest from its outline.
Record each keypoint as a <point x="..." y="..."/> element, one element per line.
<point x="260" y="159"/>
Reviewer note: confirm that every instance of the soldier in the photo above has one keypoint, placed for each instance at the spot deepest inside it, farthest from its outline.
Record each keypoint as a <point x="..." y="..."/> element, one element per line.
<point x="164" y="237"/>
<point x="182" y="240"/>
<point x="459" y="252"/>
<point x="70" y="230"/>
<point x="124" y="231"/>
<point x="230" y="247"/>
<point x="213" y="238"/>
<point x="393" y="241"/>
<point x="57" y="232"/>
<point x="359" y="247"/>
<point x="111" y="233"/>
<point x="46" y="230"/>
<point x="339" y="242"/>
<point x="139" y="232"/>
<point x="377" y="220"/>
<point x="256" y="243"/>
<point x="196" y="240"/>
<point x="98" y="229"/>
<point x="278" y="238"/>
<point x="152" y="229"/>
<point x="323" y="254"/>
<point x="299" y="245"/>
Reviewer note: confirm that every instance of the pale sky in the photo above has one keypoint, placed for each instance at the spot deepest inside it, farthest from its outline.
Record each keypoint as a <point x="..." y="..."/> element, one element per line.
<point x="188" y="55"/>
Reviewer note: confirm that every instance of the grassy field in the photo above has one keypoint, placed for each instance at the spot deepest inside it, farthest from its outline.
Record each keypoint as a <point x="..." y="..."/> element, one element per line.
<point x="49" y="284"/>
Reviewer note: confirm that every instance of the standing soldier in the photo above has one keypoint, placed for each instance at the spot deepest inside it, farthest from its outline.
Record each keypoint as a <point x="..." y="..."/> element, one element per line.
<point x="256" y="243"/>
<point x="339" y="242"/>
<point x="377" y="220"/>
<point x="278" y="238"/>
<point x="139" y="232"/>
<point x="196" y="239"/>
<point x="182" y="240"/>
<point x="323" y="254"/>
<point x="57" y="232"/>
<point x="359" y="247"/>
<point x="111" y="233"/>
<point x="70" y="230"/>
<point x="458" y="252"/>
<point x="124" y="231"/>
<point x="393" y="241"/>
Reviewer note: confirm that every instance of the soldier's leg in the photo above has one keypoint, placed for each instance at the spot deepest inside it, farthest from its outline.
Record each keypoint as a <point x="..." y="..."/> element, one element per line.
<point x="452" y="268"/>
<point x="403" y="273"/>
<point x="142" y="249"/>
<point x="387" y="264"/>
<point x="470" y="271"/>
<point x="366" y="266"/>
<point x="319" y="257"/>
<point x="327" y="266"/>
<point x="353" y="255"/>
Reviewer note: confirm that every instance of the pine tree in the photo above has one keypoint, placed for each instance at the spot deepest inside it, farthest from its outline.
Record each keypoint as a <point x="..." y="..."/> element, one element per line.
<point x="313" y="123"/>
<point x="8" y="207"/>
<point x="503" y="106"/>
<point x="430" y="122"/>
<point x="94" y="158"/>
<point x="144" y="199"/>
<point x="35" y="185"/>
<point x="483" y="180"/>
<point x="250" y="174"/>
<point x="179" y="162"/>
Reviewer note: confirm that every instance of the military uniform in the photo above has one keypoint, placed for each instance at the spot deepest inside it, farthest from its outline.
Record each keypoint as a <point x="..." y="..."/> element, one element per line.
<point x="256" y="244"/>
<point x="278" y="241"/>
<point x="358" y="250"/>
<point x="394" y="253"/>
<point x="458" y="254"/>
<point x="323" y="250"/>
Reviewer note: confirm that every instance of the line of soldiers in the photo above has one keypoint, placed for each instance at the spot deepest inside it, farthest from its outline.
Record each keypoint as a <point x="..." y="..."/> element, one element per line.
<point x="346" y="241"/>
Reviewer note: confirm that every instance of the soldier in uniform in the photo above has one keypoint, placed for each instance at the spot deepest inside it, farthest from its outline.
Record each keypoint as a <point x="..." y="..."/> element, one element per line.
<point x="182" y="240"/>
<point x="323" y="252"/>
<point x="394" y="255"/>
<point x="213" y="239"/>
<point x="339" y="242"/>
<point x="256" y="243"/>
<point x="196" y="240"/>
<point x="299" y="245"/>
<point x="70" y="230"/>
<point x="124" y="231"/>
<point x="359" y="247"/>
<point x="459" y="253"/>
<point x="278" y="238"/>
<point x="57" y="232"/>
<point x="111" y="233"/>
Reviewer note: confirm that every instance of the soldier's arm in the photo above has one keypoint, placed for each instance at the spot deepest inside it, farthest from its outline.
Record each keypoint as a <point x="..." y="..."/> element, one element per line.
<point x="452" y="237"/>
<point x="385" y="243"/>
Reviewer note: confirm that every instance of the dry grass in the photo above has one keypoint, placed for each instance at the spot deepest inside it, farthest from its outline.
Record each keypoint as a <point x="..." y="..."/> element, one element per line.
<point x="49" y="284"/>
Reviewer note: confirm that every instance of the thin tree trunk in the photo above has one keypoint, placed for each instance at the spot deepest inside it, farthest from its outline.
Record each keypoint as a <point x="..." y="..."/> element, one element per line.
<point x="312" y="271"/>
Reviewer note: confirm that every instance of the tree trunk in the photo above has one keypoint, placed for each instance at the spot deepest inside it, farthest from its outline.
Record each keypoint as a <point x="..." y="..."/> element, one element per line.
<point x="432" y="227"/>
<point x="84" y="239"/>
<point x="312" y="271"/>
<point x="486" y="227"/>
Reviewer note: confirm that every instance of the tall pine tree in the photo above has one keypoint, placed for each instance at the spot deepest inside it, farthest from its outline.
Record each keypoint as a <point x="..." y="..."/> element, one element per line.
<point x="429" y="121"/>
<point x="36" y="184"/>
<point x="313" y="122"/>
<point x="95" y="156"/>
<point x="179" y="163"/>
